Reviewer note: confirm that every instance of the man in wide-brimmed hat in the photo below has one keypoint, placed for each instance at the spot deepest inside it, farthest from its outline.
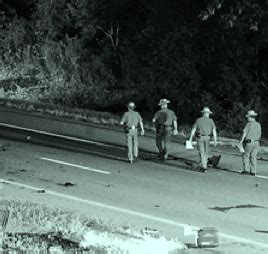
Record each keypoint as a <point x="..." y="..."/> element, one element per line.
<point x="131" y="121"/>
<point x="204" y="128"/>
<point x="251" y="141"/>
<point x="165" y="122"/>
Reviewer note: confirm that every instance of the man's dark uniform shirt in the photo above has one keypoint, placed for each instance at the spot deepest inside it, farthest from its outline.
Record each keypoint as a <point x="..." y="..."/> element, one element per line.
<point x="164" y="117"/>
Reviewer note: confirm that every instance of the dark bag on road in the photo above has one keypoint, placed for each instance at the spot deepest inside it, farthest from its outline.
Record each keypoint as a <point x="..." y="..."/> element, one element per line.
<point x="207" y="238"/>
<point x="214" y="160"/>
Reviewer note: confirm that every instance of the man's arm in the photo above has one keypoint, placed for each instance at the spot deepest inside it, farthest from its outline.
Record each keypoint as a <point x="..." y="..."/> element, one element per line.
<point x="242" y="138"/>
<point x="175" y="127"/>
<point x="142" y="128"/>
<point x="244" y="134"/>
<point x="192" y="133"/>
<point x="123" y="120"/>
<point x="214" y="132"/>
<point x="155" y="117"/>
<point x="214" y="136"/>
<point x="154" y="121"/>
<point x="141" y="124"/>
<point x="175" y="123"/>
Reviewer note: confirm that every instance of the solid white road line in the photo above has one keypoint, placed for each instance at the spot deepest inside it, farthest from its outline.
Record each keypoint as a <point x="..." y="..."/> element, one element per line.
<point x="130" y="212"/>
<point x="54" y="135"/>
<point x="260" y="176"/>
<point x="75" y="165"/>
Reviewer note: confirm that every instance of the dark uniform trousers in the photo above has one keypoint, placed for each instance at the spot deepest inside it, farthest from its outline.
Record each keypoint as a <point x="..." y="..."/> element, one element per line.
<point x="132" y="143"/>
<point x="250" y="156"/>
<point x="251" y="146"/>
<point x="203" y="149"/>
<point x="163" y="136"/>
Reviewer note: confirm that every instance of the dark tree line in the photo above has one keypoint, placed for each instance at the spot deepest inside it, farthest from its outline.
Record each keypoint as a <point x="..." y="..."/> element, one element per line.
<point x="101" y="53"/>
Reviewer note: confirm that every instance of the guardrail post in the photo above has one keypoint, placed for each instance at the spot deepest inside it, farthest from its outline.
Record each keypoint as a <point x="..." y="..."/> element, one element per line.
<point x="4" y="215"/>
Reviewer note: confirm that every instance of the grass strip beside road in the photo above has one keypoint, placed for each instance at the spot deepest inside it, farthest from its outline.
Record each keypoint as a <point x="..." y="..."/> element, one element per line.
<point x="62" y="229"/>
<point x="237" y="239"/>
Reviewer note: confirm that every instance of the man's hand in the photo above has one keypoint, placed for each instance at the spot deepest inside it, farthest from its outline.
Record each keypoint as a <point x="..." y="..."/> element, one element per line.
<point x="175" y="132"/>
<point x="142" y="132"/>
<point x="240" y="147"/>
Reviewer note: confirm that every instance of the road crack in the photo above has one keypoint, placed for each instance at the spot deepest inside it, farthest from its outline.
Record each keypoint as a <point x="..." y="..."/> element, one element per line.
<point x="226" y="209"/>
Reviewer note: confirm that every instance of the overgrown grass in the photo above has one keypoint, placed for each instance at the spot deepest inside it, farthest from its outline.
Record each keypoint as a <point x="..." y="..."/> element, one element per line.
<point x="93" y="234"/>
<point x="63" y="111"/>
<point x="32" y="217"/>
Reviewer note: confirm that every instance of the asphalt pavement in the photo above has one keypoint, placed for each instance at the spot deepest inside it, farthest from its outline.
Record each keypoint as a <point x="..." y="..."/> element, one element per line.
<point x="146" y="193"/>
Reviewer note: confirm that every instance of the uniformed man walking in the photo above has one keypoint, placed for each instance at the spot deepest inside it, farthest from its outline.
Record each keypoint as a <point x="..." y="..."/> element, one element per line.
<point x="131" y="120"/>
<point x="204" y="128"/>
<point x="165" y="122"/>
<point x="250" y="140"/>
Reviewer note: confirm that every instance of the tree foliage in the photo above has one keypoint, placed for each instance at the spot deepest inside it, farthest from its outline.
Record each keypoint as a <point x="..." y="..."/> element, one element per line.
<point x="102" y="53"/>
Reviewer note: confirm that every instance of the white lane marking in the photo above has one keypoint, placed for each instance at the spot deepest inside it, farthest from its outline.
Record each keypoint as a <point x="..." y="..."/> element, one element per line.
<point x="127" y="211"/>
<point x="55" y="135"/>
<point x="260" y="176"/>
<point x="75" y="165"/>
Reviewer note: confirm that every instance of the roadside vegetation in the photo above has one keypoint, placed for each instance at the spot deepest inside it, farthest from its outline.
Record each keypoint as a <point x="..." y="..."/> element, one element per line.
<point x="38" y="229"/>
<point x="100" y="54"/>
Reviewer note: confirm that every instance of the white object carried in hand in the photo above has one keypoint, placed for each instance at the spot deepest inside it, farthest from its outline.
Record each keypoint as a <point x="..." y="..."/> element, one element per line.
<point x="189" y="145"/>
<point x="190" y="230"/>
<point x="241" y="148"/>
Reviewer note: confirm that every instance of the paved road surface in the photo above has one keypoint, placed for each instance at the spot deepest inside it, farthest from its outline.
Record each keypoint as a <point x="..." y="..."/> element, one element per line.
<point x="162" y="196"/>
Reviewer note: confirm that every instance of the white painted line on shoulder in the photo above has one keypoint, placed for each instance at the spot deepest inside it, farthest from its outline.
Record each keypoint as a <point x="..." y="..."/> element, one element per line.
<point x="54" y="135"/>
<point x="134" y="213"/>
<point x="260" y="176"/>
<point x="75" y="165"/>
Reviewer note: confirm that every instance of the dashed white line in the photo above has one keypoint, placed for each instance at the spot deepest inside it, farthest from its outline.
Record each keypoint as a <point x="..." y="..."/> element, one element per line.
<point x="134" y="213"/>
<point x="75" y="165"/>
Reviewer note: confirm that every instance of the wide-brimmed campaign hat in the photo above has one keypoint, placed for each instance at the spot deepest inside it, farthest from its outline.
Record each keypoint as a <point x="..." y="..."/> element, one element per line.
<point x="251" y="113"/>
<point x="163" y="102"/>
<point x="206" y="110"/>
<point x="131" y="104"/>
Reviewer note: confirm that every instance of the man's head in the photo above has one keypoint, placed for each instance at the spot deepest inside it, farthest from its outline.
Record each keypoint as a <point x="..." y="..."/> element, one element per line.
<point x="163" y="103"/>
<point x="131" y="105"/>
<point x="251" y="115"/>
<point x="206" y="112"/>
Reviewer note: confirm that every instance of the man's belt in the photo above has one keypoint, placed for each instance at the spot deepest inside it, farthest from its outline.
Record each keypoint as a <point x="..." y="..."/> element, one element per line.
<point x="248" y="141"/>
<point x="128" y="128"/>
<point x="163" y="126"/>
<point x="133" y="127"/>
<point x="202" y="135"/>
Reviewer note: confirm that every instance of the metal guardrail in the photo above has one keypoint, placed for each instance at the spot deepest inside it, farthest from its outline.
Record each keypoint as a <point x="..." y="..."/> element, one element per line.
<point x="4" y="216"/>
